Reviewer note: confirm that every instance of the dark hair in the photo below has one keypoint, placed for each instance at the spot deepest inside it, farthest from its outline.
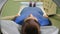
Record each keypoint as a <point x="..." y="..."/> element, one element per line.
<point x="30" y="27"/>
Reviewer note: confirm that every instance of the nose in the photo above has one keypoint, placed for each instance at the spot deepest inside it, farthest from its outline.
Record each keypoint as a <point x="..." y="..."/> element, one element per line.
<point x="30" y="15"/>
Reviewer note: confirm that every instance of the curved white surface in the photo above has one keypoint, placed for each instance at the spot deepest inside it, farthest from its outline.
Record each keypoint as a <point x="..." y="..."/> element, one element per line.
<point x="10" y="27"/>
<point x="2" y="2"/>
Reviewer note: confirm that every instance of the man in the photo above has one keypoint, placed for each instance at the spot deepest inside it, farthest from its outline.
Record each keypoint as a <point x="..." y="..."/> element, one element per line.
<point x="31" y="18"/>
<point x="35" y="13"/>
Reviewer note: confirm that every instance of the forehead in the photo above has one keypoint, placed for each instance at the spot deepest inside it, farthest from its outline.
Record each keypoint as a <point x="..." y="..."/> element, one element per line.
<point x="32" y="22"/>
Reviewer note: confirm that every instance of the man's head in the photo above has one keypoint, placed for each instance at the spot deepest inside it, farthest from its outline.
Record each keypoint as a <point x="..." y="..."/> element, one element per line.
<point x="30" y="26"/>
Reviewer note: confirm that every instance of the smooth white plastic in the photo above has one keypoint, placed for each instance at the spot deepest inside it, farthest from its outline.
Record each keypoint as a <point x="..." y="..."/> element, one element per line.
<point x="10" y="27"/>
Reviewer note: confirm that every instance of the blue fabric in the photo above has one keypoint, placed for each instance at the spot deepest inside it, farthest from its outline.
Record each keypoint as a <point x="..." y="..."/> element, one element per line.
<point x="36" y="12"/>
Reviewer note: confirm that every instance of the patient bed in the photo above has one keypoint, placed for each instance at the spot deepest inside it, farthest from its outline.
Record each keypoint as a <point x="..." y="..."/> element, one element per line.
<point x="10" y="27"/>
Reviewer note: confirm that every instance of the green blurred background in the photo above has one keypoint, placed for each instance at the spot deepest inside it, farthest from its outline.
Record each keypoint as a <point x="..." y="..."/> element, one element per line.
<point x="10" y="8"/>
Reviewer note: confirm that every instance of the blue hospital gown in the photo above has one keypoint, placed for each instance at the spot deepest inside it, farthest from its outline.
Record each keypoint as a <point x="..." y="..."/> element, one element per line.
<point x="36" y="12"/>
